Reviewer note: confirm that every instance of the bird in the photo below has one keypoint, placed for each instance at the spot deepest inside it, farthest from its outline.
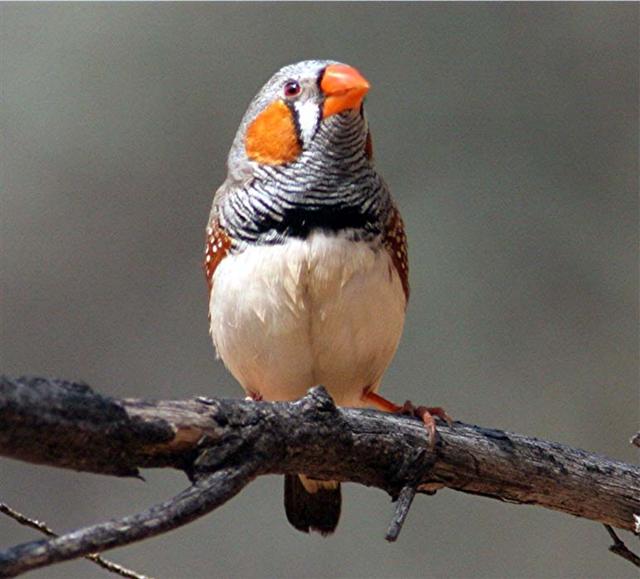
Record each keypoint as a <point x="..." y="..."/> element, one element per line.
<point x="306" y="258"/>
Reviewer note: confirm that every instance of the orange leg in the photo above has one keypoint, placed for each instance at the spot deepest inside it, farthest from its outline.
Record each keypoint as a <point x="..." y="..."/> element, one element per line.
<point x="425" y="413"/>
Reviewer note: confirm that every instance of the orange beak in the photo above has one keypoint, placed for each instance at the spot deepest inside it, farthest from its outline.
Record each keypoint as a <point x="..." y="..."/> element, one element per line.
<point x="344" y="88"/>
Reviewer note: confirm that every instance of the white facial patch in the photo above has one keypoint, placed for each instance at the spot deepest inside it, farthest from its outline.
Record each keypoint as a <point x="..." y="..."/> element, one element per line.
<point x="308" y="118"/>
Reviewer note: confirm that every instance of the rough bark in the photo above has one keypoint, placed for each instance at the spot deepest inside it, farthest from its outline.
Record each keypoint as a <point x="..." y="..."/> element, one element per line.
<point x="223" y="444"/>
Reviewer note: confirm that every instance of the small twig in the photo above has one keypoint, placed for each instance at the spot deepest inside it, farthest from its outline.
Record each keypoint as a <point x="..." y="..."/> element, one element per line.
<point x="26" y="521"/>
<point x="43" y="528"/>
<point x="619" y="548"/>
<point x="207" y="493"/>
<point x="403" y="504"/>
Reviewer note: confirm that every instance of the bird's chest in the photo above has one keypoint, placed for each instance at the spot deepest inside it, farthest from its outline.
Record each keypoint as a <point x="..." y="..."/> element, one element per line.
<point x="325" y="309"/>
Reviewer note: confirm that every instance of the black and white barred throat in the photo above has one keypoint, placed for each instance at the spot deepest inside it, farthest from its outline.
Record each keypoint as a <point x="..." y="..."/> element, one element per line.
<point x="332" y="186"/>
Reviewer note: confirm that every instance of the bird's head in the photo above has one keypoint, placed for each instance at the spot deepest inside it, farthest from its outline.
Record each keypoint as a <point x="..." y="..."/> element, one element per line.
<point x="286" y="116"/>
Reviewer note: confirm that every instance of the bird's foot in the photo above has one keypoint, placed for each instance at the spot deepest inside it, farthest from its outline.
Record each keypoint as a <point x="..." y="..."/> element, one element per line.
<point x="425" y="413"/>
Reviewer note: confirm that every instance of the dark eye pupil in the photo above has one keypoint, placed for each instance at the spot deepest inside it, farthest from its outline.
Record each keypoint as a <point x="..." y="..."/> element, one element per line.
<point x="292" y="88"/>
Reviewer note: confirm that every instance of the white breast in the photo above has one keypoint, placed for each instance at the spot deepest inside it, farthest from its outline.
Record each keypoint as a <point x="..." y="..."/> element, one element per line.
<point x="325" y="310"/>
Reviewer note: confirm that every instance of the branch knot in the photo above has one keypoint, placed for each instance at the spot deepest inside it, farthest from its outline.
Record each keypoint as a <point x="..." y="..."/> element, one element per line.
<point x="318" y="400"/>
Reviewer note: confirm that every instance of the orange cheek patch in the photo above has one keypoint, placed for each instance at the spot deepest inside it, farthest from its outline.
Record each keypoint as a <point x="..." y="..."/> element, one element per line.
<point x="272" y="138"/>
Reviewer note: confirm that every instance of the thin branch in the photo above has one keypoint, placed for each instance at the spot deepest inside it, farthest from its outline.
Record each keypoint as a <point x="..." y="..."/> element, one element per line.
<point x="223" y="444"/>
<point x="46" y="530"/>
<point x="206" y="494"/>
<point x="619" y="548"/>
<point x="403" y="504"/>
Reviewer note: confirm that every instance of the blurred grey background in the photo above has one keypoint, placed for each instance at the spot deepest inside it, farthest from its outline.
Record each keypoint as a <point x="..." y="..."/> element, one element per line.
<point x="509" y="135"/>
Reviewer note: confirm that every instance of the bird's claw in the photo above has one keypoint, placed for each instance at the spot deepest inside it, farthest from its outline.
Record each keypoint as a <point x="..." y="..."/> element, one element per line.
<point x="427" y="414"/>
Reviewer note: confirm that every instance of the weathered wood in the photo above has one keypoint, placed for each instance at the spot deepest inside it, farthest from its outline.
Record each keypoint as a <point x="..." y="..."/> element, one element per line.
<point x="208" y="493"/>
<point x="68" y="425"/>
<point x="93" y="557"/>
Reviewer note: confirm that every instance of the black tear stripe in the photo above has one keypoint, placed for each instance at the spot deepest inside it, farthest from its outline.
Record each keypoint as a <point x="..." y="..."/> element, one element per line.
<point x="296" y="122"/>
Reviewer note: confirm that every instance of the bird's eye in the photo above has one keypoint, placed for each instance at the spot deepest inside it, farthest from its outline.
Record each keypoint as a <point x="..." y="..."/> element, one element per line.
<point x="292" y="88"/>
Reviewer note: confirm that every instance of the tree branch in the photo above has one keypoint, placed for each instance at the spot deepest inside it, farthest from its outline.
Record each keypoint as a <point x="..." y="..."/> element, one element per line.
<point x="202" y="497"/>
<point x="619" y="548"/>
<point x="223" y="444"/>
<point x="43" y="528"/>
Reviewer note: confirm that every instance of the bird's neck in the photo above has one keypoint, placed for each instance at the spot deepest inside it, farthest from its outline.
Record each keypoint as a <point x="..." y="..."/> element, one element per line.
<point x="332" y="187"/>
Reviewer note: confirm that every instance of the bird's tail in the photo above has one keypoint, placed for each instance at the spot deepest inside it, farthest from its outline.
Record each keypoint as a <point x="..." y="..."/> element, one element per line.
<point x="312" y="505"/>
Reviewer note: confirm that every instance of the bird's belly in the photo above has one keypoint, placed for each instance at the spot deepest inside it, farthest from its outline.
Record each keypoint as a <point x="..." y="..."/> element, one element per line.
<point x="324" y="310"/>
